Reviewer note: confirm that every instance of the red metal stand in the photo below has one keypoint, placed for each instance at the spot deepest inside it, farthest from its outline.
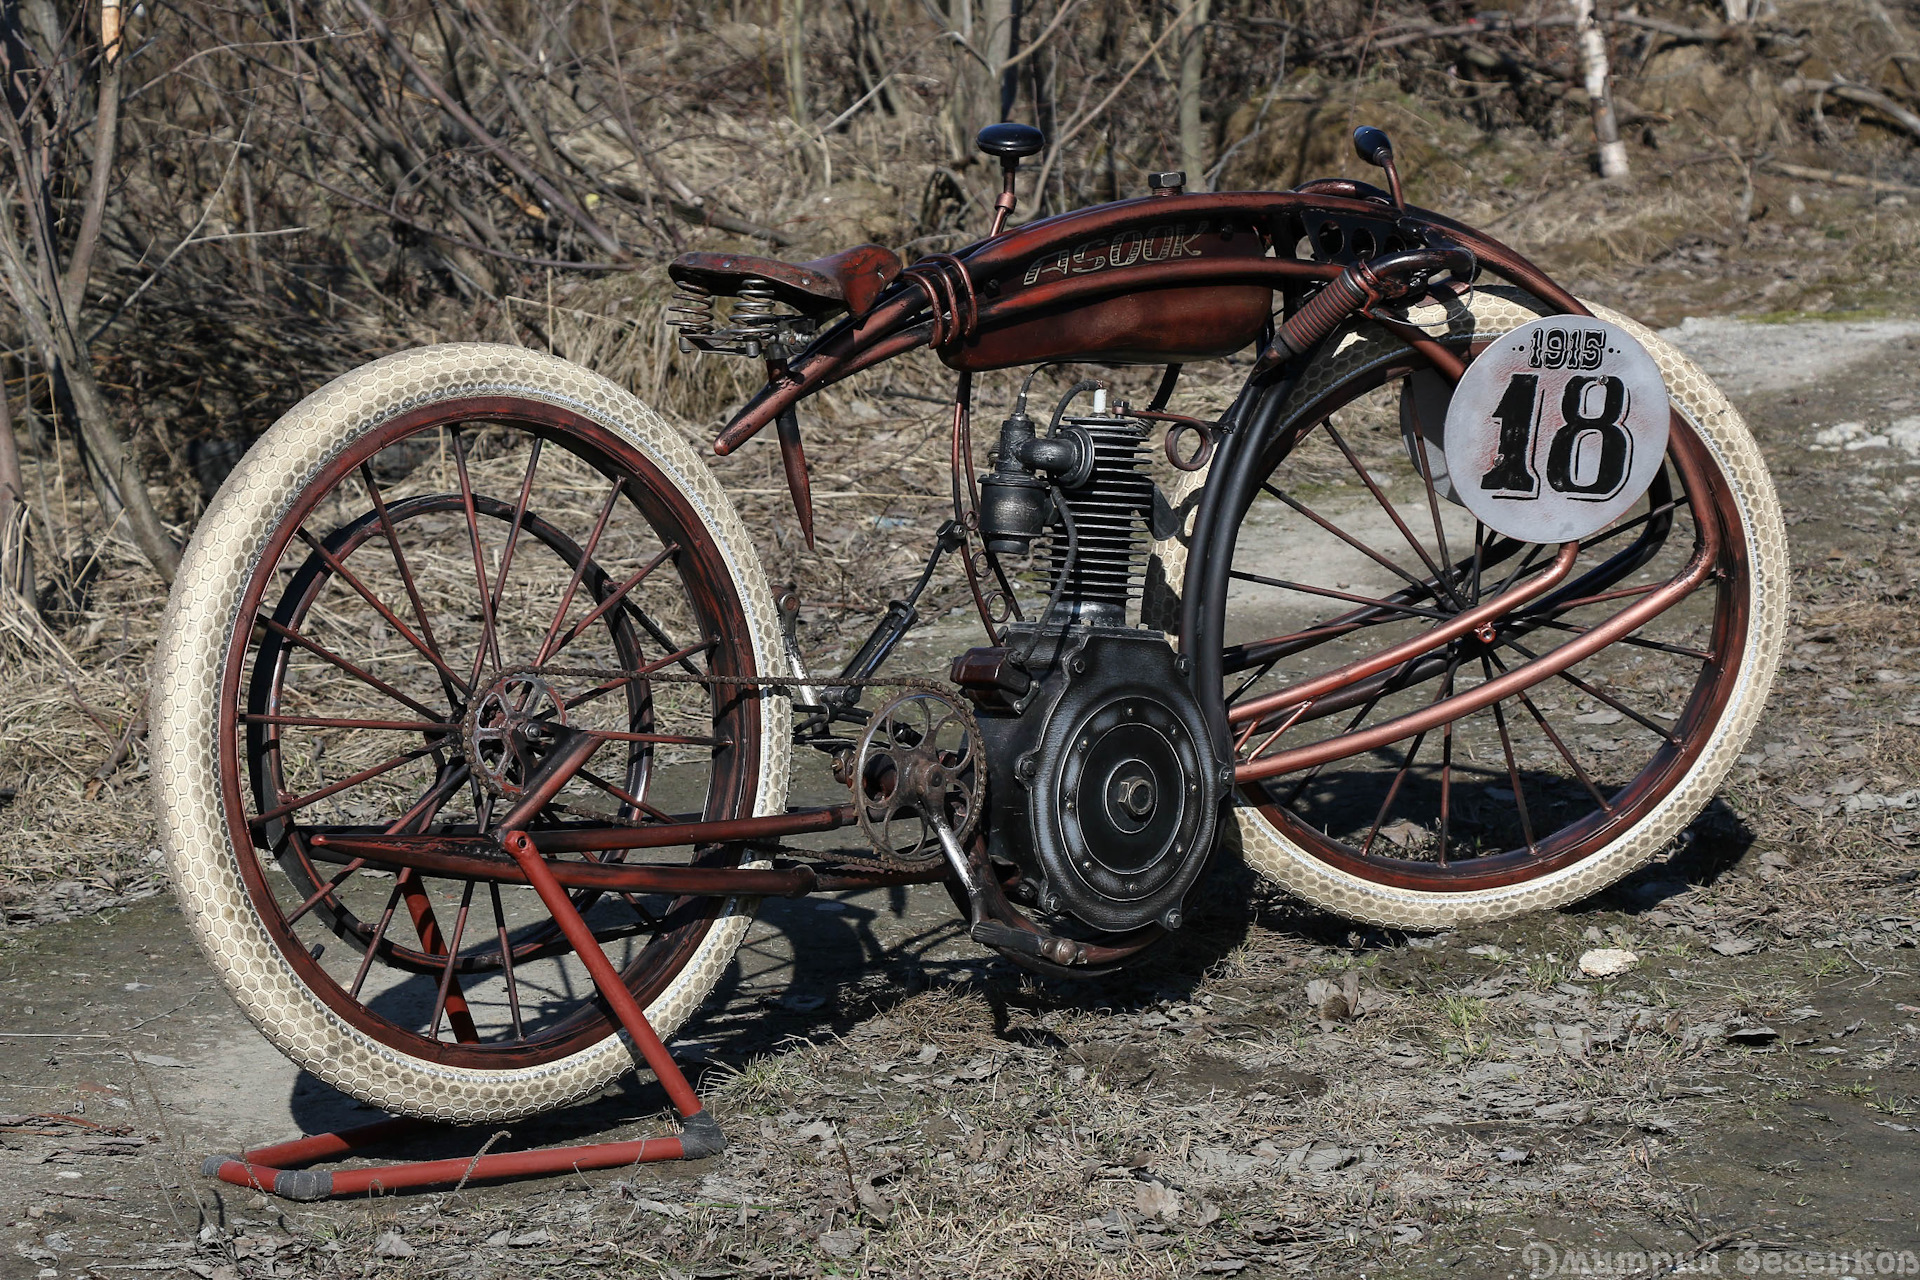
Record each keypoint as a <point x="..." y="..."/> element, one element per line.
<point x="275" y="1169"/>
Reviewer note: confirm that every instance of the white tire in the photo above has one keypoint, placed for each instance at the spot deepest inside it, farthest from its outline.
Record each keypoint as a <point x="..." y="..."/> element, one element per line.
<point x="1733" y="452"/>
<point x="203" y="630"/>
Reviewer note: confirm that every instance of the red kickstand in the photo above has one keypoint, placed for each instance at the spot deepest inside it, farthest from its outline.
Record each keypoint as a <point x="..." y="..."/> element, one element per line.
<point x="275" y="1169"/>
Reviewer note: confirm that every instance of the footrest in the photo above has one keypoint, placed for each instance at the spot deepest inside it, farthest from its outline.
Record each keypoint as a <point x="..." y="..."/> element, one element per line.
<point x="1043" y="946"/>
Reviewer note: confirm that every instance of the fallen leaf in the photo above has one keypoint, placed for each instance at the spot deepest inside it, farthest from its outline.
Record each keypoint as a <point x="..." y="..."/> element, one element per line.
<point x="843" y="1243"/>
<point x="1156" y="1200"/>
<point x="1403" y="834"/>
<point x="392" y="1244"/>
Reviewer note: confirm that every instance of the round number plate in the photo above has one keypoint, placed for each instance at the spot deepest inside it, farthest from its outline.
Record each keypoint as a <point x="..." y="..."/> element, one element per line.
<point x="1557" y="429"/>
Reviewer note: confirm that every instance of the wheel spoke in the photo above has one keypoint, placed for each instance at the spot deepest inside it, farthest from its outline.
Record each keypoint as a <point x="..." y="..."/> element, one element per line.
<point x="1446" y="789"/>
<point x="286" y="807"/>
<point x="506" y="961"/>
<point x="1558" y="745"/>
<point x="406" y="573"/>
<point x="419" y="815"/>
<point x="1479" y="558"/>
<point x="1373" y="488"/>
<point x="325" y="654"/>
<point x="1638" y="642"/>
<point x="641" y="673"/>
<point x="1391" y="684"/>
<point x="324" y="891"/>
<point x="1598" y="695"/>
<point x="1513" y="769"/>
<point x="1650" y="513"/>
<point x="1433" y="507"/>
<point x="613" y="600"/>
<point x="1345" y="537"/>
<point x="1406" y="765"/>
<point x="1305" y="589"/>
<point x="519" y="520"/>
<point x="333" y="722"/>
<point x="428" y="931"/>
<point x="453" y="956"/>
<point x="489" y="639"/>
<point x="352" y="579"/>
<point x="667" y="739"/>
<point x="632" y="900"/>
<point x="373" y="943"/>
<point x="620" y="794"/>
<point x="579" y="569"/>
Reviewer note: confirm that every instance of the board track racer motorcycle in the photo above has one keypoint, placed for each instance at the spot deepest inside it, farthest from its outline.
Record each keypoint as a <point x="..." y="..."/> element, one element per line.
<point x="1463" y="607"/>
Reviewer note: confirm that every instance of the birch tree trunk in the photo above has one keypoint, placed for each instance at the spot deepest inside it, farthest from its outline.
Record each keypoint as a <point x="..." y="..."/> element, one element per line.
<point x="1599" y="78"/>
<point x="1193" y="71"/>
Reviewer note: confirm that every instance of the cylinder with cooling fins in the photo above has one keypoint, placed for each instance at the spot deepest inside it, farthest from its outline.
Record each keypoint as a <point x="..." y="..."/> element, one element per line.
<point x="1111" y="515"/>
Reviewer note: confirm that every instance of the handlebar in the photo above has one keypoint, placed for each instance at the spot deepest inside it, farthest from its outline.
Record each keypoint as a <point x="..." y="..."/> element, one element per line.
<point x="1361" y="287"/>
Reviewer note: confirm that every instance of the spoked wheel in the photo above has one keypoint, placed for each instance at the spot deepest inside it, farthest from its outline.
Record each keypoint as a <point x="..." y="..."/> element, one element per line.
<point x="420" y="579"/>
<point x="1392" y="798"/>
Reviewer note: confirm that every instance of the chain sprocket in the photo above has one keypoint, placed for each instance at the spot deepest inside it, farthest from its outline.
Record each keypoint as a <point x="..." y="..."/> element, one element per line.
<point x="921" y="753"/>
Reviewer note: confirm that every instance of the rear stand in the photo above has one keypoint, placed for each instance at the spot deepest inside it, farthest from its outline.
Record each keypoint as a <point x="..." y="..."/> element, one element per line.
<point x="276" y="1168"/>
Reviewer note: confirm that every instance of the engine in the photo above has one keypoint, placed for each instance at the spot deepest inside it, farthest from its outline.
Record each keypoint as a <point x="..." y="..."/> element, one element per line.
<point x="1102" y="786"/>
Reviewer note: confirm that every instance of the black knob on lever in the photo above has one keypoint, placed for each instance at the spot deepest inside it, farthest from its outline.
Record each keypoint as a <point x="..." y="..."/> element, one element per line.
<point x="1009" y="143"/>
<point x="1376" y="148"/>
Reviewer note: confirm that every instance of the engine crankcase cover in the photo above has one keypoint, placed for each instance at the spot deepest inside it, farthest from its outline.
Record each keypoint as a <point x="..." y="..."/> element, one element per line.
<point x="1122" y="795"/>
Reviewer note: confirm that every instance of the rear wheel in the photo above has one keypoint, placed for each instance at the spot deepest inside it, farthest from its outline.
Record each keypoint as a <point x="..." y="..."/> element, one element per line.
<point x="1350" y="545"/>
<point x="409" y="581"/>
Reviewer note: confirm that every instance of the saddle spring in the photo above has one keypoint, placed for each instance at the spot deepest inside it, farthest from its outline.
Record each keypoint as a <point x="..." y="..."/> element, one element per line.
<point x="754" y="324"/>
<point x="691" y="312"/>
<point x="754" y="319"/>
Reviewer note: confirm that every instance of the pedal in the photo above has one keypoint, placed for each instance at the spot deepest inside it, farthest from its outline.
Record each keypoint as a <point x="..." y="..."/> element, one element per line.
<point x="1043" y="946"/>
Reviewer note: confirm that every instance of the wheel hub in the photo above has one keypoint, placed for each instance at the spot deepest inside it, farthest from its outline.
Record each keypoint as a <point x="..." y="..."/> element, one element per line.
<point x="509" y="729"/>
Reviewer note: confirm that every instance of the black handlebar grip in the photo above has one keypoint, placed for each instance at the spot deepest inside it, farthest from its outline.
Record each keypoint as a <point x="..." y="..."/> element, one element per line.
<point x="1305" y="328"/>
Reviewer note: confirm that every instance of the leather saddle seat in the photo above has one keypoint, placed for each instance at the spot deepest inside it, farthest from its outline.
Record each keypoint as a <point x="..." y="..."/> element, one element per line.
<point x="852" y="278"/>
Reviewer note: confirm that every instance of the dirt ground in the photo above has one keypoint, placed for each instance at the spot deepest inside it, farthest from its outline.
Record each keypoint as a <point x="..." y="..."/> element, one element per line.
<point x="899" y="1103"/>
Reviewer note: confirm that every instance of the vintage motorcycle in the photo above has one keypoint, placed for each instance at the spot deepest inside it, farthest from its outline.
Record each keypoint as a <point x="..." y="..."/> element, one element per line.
<point x="1463" y="607"/>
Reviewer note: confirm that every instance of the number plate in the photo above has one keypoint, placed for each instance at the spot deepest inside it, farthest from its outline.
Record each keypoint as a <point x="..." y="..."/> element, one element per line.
<point x="1557" y="429"/>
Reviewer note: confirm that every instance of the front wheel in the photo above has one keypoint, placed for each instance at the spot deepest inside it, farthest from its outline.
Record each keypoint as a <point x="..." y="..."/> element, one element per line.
<point x="1349" y="545"/>
<point x="410" y="581"/>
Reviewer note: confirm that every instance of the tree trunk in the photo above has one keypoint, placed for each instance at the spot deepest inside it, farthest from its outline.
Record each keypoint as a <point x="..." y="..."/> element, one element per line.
<point x="794" y="18"/>
<point x="980" y="67"/>
<point x="1193" y="71"/>
<point x="16" y="550"/>
<point x="1599" y="79"/>
<point x="50" y="300"/>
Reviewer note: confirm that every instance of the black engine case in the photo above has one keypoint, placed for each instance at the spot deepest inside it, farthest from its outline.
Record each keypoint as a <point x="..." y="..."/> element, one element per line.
<point x="1103" y="789"/>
